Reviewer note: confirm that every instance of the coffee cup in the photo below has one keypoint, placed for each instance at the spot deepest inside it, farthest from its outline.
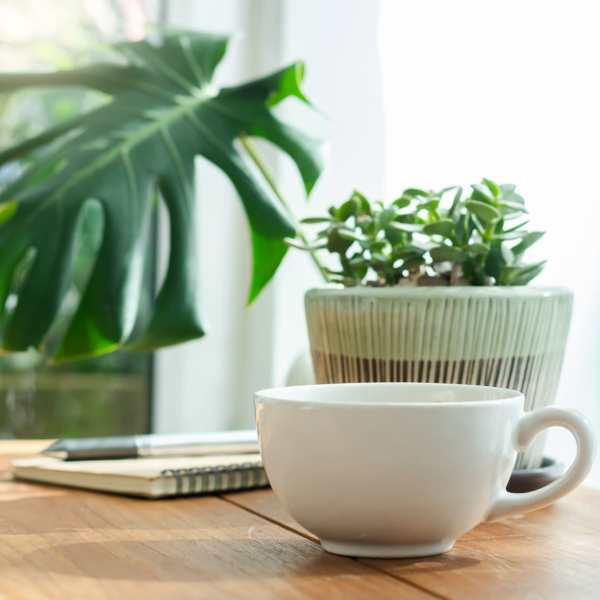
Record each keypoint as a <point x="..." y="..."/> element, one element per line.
<point x="404" y="469"/>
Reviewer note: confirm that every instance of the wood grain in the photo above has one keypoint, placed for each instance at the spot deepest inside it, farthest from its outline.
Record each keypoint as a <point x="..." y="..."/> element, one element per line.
<point x="59" y="543"/>
<point x="549" y="554"/>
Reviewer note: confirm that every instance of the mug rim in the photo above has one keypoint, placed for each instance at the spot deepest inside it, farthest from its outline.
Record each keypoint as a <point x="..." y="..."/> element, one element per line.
<point x="274" y="395"/>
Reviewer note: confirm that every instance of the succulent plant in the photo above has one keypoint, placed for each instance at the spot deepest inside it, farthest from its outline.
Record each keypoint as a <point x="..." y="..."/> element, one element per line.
<point x="446" y="237"/>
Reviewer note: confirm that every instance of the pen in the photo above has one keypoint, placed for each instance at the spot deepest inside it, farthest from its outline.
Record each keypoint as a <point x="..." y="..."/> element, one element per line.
<point x="179" y="444"/>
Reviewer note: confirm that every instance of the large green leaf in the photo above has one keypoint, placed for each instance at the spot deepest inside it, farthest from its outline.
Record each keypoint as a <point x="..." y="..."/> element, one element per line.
<point x="105" y="168"/>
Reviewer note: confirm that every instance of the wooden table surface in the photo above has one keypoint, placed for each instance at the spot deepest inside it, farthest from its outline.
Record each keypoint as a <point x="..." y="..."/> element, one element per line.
<point x="60" y="543"/>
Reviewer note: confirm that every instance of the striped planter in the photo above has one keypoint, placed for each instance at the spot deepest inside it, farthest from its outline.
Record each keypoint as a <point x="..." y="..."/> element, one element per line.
<point x="511" y="337"/>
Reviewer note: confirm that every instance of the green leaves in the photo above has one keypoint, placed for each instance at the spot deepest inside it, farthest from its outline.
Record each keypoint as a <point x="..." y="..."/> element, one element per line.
<point x="526" y="242"/>
<point x="447" y="253"/>
<point x="487" y="213"/>
<point x="108" y="165"/>
<point x="7" y="211"/>
<point x="443" y="227"/>
<point x="424" y="236"/>
<point x="521" y="275"/>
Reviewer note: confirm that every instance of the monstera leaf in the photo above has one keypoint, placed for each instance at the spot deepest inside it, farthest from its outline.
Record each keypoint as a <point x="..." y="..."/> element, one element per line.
<point x="101" y="173"/>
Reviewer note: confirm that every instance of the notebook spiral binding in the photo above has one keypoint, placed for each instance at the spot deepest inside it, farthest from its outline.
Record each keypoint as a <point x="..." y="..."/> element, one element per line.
<point x="206" y="480"/>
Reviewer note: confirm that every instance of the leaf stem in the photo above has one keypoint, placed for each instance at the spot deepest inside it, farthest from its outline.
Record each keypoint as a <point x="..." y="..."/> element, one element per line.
<point x="260" y="165"/>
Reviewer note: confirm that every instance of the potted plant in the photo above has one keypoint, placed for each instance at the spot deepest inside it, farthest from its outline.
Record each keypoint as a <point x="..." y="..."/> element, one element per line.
<point x="433" y="287"/>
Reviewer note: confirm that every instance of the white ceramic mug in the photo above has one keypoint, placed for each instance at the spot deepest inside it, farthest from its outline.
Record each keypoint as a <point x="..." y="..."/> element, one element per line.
<point x="404" y="469"/>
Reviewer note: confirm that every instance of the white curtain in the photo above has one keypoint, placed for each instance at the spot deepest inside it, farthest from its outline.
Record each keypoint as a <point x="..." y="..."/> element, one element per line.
<point x="208" y="384"/>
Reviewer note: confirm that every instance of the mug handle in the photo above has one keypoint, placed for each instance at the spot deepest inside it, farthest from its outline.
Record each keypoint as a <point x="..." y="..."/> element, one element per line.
<point x="527" y="428"/>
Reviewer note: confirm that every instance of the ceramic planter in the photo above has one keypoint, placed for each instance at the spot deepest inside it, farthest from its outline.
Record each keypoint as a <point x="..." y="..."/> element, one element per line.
<point x="510" y="337"/>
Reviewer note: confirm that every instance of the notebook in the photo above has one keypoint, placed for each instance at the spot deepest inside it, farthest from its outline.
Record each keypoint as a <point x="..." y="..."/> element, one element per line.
<point x="149" y="477"/>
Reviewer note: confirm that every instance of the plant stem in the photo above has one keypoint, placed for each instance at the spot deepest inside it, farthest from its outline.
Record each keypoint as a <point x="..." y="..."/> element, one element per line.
<point x="253" y="154"/>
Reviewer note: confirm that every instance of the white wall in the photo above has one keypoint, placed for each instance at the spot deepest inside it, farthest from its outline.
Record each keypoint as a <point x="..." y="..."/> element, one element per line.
<point x="509" y="90"/>
<point x="337" y="41"/>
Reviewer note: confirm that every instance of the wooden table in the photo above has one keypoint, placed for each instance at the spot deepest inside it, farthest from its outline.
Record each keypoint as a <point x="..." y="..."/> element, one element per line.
<point x="59" y="543"/>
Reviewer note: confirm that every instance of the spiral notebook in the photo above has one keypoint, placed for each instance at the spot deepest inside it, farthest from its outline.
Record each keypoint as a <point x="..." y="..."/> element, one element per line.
<point x="149" y="477"/>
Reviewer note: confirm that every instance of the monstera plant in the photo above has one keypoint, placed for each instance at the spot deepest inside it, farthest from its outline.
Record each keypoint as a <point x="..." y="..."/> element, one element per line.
<point x="96" y="180"/>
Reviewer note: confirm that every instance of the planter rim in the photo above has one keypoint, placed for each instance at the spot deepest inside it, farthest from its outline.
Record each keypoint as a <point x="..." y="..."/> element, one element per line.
<point x="522" y="291"/>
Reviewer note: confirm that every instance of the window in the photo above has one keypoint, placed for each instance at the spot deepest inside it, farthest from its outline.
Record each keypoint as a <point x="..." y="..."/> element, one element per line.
<point x="109" y="395"/>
